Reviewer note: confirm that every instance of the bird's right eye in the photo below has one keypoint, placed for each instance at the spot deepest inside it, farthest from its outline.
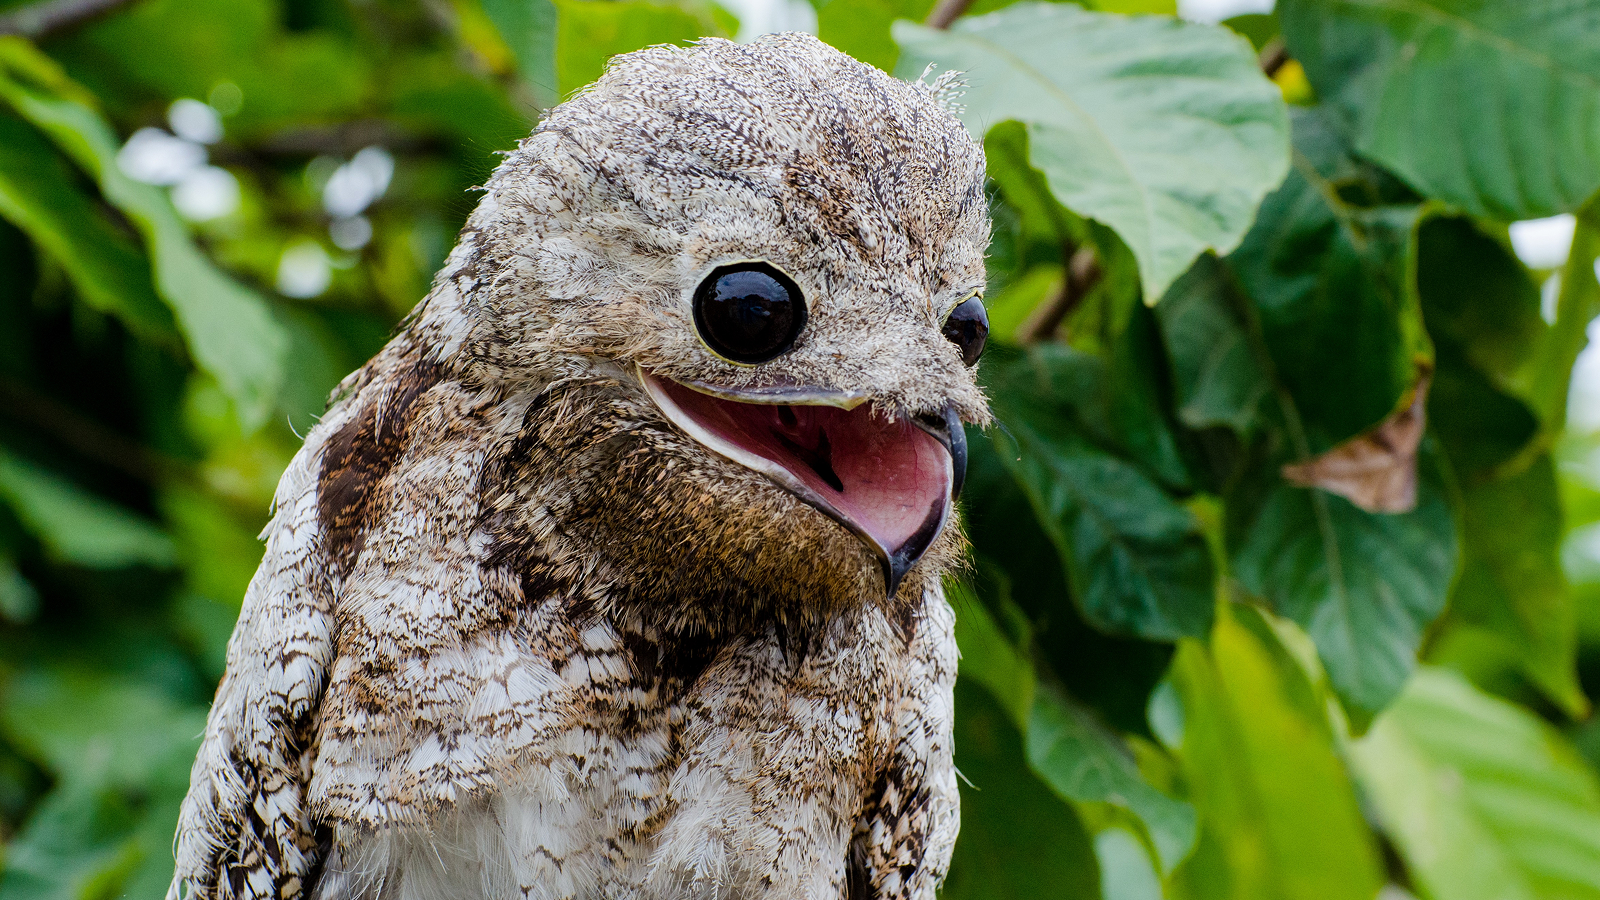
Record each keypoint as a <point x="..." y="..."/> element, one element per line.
<point x="749" y="312"/>
<point x="968" y="328"/>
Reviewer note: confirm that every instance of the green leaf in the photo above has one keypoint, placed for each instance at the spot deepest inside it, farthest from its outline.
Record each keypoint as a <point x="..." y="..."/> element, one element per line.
<point x="1483" y="312"/>
<point x="1279" y="817"/>
<point x="1546" y="378"/>
<point x="590" y="32"/>
<point x="1478" y="297"/>
<point x="1363" y="585"/>
<point x="76" y="526"/>
<point x="1331" y="286"/>
<point x="1125" y="870"/>
<point x="1134" y="556"/>
<point x="529" y="28"/>
<point x="39" y="195"/>
<point x="1494" y="107"/>
<point x="1218" y="377"/>
<point x="121" y="750"/>
<point x="99" y="727"/>
<point x="1018" y="839"/>
<point x="1085" y="762"/>
<point x="1511" y="588"/>
<point x="1019" y="575"/>
<point x="1066" y="745"/>
<point x="989" y="656"/>
<point x="1163" y="130"/>
<point x="167" y="49"/>
<point x="1481" y="798"/>
<point x="19" y="599"/>
<point x="229" y="328"/>
<point x="861" y="27"/>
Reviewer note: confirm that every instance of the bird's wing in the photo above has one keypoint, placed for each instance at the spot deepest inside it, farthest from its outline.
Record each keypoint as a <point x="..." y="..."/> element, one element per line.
<point x="244" y="831"/>
<point x="908" y="827"/>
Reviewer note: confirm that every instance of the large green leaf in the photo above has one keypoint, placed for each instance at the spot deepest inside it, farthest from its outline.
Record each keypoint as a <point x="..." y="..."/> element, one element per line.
<point x="76" y="526"/>
<point x="1217" y="374"/>
<point x="529" y="28"/>
<point x="1134" y="556"/>
<point x="1330" y="283"/>
<point x="1478" y="297"/>
<point x="1494" y="106"/>
<point x="590" y="32"/>
<point x="1165" y="131"/>
<point x="1019" y="575"/>
<point x="121" y="751"/>
<point x="1511" y="589"/>
<point x="1278" y="814"/>
<point x="1482" y="310"/>
<point x="1084" y="762"/>
<point x="229" y="328"/>
<point x="1363" y="585"/>
<point x="1483" y="800"/>
<point x="1065" y="744"/>
<point x="861" y="27"/>
<point x="1018" y="839"/>
<point x="39" y="195"/>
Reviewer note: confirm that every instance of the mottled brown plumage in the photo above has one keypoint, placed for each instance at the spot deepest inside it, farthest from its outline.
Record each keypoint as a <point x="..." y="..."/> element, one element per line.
<point x="519" y="631"/>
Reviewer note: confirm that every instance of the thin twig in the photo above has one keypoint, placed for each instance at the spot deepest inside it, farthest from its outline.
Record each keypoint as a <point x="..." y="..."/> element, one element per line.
<point x="1083" y="270"/>
<point x="945" y="12"/>
<point x="41" y="20"/>
<point x="1273" y="56"/>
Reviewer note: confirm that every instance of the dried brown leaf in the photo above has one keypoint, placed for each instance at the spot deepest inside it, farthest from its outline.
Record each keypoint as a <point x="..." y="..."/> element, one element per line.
<point x="1377" y="469"/>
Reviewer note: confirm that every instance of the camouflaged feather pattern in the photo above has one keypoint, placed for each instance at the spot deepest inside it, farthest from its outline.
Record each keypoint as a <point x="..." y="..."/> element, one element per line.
<point x="514" y="634"/>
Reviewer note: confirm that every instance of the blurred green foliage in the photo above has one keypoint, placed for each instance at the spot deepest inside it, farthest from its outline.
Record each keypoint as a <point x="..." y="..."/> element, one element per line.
<point x="1185" y="674"/>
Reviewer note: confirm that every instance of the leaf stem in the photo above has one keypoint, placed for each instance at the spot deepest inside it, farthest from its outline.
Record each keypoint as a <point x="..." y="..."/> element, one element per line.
<point x="1083" y="271"/>
<point x="1576" y="306"/>
<point x="946" y="12"/>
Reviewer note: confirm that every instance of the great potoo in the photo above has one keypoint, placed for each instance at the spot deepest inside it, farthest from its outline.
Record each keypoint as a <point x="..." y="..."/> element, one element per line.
<point x="616" y="574"/>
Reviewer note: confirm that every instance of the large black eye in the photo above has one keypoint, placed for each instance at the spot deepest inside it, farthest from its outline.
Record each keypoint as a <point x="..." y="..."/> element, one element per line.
<point x="748" y="312"/>
<point x="968" y="328"/>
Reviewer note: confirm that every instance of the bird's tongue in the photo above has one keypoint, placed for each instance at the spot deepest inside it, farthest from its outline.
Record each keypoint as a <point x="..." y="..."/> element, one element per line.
<point x="887" y="480"/>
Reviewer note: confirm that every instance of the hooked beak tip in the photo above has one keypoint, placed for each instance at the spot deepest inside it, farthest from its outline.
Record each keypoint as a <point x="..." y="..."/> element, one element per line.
<point x="946" y="428"/>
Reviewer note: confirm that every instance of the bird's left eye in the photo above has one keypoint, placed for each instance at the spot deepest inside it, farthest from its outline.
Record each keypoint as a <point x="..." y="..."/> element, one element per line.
<point x="968" y="328"/>
<point x="749" y="312"/>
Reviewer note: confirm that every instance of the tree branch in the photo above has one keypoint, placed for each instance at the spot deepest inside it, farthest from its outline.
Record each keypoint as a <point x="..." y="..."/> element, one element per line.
<point x="1083" y="270"/>
<point x="1273" y="56"/>
<point x="41" y="20"/>
<point x="945" y="12"/>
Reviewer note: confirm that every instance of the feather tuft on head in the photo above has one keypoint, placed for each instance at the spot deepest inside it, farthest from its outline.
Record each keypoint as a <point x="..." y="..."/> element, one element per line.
<point x="946" y="89"/>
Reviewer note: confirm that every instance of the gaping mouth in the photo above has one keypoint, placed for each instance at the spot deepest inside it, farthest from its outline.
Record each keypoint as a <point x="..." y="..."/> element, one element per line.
<point x="889" y="481"/>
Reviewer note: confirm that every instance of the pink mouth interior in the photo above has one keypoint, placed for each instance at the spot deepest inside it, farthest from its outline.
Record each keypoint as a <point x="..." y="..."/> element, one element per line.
<point x="888" y="480"/>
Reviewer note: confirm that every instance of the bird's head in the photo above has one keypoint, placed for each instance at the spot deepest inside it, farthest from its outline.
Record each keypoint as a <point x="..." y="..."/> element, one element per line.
<point x="744" y="284"/>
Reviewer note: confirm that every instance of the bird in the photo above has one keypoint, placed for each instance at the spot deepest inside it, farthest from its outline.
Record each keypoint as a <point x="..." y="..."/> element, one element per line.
<point x="617" y="572"/>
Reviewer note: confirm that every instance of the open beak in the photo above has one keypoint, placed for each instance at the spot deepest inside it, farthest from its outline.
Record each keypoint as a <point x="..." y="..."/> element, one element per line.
<point x="891" y="482"/>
